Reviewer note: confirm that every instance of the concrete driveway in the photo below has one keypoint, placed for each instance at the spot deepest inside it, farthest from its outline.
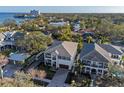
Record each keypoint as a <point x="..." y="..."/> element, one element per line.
<point x="59" y="78"/>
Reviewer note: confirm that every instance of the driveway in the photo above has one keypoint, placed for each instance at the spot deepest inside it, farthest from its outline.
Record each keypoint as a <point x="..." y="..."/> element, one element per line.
<point x="10" y="69"/>
<point x="59" y="78"/>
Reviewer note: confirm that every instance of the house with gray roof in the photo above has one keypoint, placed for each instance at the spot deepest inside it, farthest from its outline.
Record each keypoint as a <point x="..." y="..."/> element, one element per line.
<point x="61" y="54"/>
<point x="95" y="59"/>
<point x="115" y="52"/>
<point x="8" y="39"/>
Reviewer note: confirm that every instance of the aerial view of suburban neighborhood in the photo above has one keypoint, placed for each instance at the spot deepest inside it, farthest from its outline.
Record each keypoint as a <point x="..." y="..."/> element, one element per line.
<point x="40" y="49"/>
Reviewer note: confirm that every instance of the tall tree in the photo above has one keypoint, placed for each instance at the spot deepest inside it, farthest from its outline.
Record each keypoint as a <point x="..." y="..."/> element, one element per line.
<point x="66" y="34"/>
<point x="34" y="42"/>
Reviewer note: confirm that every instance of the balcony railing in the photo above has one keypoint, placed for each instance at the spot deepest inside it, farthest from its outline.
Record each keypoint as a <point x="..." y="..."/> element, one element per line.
<point x="93" y="65"/>
<point x="86" y="64"/>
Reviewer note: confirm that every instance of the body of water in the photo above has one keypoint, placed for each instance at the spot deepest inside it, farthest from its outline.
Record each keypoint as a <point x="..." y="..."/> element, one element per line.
<point x="5" y="16"/>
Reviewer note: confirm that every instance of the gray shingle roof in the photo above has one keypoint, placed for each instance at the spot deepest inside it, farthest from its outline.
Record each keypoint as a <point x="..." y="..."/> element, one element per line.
<point x="95" y="56"/>
<point x="111" y="49"/>
<point x="18" y="35"/>
<point x="64" y="48"/>
<point x="95" y="53"/>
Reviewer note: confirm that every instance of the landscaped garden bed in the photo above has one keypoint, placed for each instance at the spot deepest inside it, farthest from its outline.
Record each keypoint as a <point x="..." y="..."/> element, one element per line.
<point x="49" y="71"/>
<point x="82" y="80"/>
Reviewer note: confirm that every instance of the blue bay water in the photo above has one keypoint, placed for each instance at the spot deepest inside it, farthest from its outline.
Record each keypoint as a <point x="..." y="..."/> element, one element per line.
<point x="5" y="16"/>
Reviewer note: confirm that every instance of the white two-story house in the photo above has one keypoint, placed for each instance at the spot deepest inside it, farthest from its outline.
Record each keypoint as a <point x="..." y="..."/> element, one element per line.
<point x="95" y="59"/>
<point x="61" y="54"/>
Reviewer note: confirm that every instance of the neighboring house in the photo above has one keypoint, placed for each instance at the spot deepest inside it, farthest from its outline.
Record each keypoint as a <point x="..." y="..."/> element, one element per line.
<point x="18" y="57"/>
<point x="87" y="34"/>
<point x="95" y="59"/>
<point x="57" y="24"/>
<point x="115" y="53"/>
<point x="76" y="27"/>
<point x="8" y="39"/>
<point x="61" y="54"/>
<point x="34" y="12"/>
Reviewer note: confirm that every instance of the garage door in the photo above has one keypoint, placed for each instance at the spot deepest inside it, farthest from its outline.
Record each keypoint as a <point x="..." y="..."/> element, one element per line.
<point x="63" y="66"/>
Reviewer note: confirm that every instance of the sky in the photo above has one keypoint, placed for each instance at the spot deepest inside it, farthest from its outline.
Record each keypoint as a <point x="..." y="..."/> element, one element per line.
<point x="64" y="9"/>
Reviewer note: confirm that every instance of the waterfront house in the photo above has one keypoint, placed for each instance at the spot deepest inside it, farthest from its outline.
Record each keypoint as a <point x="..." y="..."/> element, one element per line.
<point x="95" y="59"/>
<point x="61" y="54"/>
<point x="8" y="39"/>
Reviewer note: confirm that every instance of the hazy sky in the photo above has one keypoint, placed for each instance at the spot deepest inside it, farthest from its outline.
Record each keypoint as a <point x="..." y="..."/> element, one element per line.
<point x="64" y="9"/>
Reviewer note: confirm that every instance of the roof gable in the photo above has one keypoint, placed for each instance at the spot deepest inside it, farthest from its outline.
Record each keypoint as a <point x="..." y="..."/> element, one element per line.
<point x="96" y="56"/>
<point x="64" y="48"/>
<point x="95" y="53"/>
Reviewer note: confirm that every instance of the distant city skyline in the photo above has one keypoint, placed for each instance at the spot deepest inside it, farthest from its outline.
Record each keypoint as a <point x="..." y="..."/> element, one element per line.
<point x="64" y="9"/>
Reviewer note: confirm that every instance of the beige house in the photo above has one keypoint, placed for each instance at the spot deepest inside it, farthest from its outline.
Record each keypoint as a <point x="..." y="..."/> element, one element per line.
<point x="61" y="54"/>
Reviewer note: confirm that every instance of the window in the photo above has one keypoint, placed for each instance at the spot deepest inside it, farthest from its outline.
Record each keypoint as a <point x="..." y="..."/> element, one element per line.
<point x="47" y="55"/>
<point x="48" y="61"/>
<point x="101" y="65"/>
<point x="54" y="58"/>
<point x="64" y="58"/>
<point x="54" y="64"/>
<point x="83" y="61"/>
<point x="114" y="56"/>
<point x="87" y="62"/>
<point x="100" y="71"/>
<point x="95" y="64"/>
<point x="106" y="65"/>
<point x="87" y="68"/>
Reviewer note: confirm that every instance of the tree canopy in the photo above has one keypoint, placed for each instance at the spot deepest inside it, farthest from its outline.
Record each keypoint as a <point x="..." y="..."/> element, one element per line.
<point x="34" y="42"/>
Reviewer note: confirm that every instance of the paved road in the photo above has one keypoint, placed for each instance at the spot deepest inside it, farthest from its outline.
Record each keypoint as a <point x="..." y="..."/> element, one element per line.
<point x="59" y="78"/>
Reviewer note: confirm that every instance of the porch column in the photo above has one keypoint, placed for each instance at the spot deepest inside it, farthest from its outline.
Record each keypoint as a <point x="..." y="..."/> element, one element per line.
<point x="102" y="72"/>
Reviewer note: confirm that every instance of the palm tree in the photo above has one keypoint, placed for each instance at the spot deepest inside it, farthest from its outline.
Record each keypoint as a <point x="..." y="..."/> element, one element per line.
<point x="103" y="39"/>
<point x="89" y="39"/>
